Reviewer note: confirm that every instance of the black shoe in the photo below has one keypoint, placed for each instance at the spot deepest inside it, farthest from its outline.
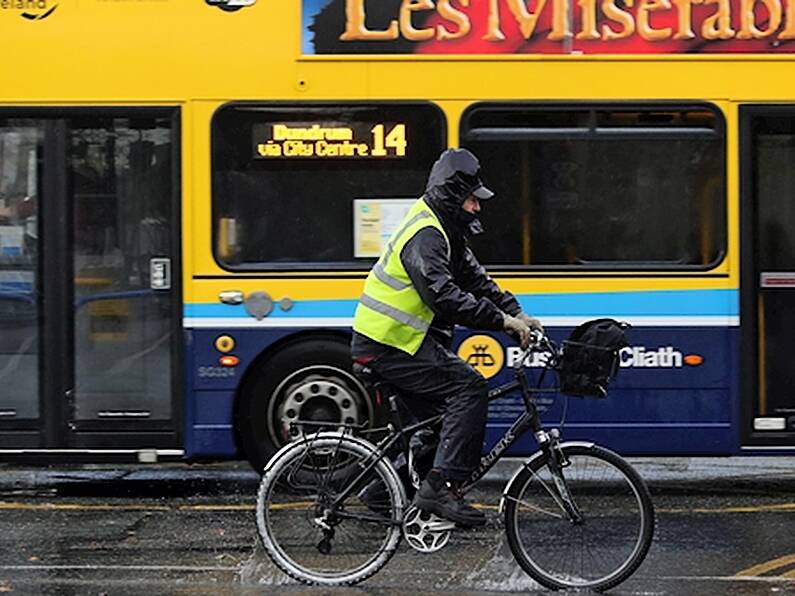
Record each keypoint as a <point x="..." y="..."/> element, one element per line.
<point x="439" y="497"/>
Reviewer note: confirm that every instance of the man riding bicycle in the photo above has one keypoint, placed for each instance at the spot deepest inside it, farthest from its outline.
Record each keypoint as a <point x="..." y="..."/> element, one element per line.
<point x="426" y="282"/>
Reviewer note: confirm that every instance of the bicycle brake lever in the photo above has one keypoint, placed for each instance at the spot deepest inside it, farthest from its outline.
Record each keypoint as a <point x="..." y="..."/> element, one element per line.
<point x="537" y="339"/>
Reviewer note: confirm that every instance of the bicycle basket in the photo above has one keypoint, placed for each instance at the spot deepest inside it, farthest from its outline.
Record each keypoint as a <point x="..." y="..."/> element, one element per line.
<point x="589" y="358"/>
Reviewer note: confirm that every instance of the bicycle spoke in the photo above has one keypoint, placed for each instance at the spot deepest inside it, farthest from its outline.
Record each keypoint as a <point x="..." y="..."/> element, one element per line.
<point x="364" y="517"/>
<point x="527" y="505"/>
<point x="605" y="547"/>
<point x="553" y="492"/>
<point x="308" y="533"/>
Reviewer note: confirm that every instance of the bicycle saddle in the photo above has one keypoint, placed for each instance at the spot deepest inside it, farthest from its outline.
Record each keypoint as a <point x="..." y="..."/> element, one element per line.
<point x="372" y="380"/>
<point x="366" y="374"/>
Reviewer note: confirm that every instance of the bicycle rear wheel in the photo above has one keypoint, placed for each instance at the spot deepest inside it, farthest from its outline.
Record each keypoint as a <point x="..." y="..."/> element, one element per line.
<point x="308" y="538"/>
<point x="609" y="544"/>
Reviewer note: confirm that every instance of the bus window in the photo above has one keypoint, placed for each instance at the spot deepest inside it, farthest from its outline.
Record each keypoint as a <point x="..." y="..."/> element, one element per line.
<point x="286" y="177"/>
<point x="20" y="149"/>
<point x="603" y="186"/>
<point x="121" y="182"/>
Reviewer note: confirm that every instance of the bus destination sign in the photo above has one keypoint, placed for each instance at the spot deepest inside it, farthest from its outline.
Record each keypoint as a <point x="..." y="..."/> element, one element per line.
<point x="313" y="140"/>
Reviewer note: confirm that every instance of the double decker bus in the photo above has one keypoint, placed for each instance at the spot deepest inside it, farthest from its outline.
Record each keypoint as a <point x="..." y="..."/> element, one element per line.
<point x="192" y="193"/>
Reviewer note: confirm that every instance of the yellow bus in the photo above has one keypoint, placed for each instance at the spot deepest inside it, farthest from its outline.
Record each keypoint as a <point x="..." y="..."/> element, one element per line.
<point x="192" y="193"/>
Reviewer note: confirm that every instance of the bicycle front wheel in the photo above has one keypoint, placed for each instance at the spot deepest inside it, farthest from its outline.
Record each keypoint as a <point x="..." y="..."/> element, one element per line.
<point x="310" y="538"/>
<point x="596" y="553"/>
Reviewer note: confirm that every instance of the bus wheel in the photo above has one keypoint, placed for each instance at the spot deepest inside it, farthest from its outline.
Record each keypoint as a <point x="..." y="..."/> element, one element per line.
<point x="307" y="381"/>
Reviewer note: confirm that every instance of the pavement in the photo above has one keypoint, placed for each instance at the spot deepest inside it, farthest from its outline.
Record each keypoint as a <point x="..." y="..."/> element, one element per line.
<point x="239" y="477"/>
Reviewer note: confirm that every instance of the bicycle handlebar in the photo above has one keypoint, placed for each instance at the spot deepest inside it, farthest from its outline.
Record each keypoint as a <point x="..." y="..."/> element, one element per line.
<point x="537" y="340"/>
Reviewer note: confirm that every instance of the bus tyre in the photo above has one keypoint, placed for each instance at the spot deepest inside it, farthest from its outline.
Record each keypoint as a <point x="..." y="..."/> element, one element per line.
<point x="309" y="380"/>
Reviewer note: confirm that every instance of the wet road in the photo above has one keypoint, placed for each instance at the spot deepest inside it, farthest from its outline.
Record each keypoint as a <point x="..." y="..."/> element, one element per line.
<point x="109" y="536"/>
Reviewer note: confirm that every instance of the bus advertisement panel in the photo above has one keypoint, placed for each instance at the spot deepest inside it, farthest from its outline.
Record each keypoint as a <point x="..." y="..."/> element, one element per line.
<point x="547" y="27"/>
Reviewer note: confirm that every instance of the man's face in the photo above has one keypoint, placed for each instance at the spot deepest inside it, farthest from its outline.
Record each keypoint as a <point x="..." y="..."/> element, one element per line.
<point x="471" y="205"/>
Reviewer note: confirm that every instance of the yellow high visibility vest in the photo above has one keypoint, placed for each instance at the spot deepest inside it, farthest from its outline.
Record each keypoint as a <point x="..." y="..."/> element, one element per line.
<point x="391" y="310"/>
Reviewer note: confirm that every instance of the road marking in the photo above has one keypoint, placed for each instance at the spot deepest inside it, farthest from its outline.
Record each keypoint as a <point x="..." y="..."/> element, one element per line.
<point x="720" y="578"/>
<point x="768" y="566"/>
<point x="114" y="567"/>
<point x="80" y="506"/>
<point x="15" y="505"/>
<point x="780" y="507"/>
<point x="216" y="507"/>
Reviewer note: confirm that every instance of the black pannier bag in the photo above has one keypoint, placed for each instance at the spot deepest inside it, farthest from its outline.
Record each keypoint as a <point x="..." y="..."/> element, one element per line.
<point x="589" y="358"/>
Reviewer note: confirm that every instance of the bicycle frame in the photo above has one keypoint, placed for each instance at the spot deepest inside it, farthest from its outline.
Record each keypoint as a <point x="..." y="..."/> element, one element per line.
<point x="529" y="419"/>
<point x="323" y="470"/>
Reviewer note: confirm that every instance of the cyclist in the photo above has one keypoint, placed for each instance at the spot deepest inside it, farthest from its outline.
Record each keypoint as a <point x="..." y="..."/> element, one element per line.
<point x="427" y="281"/>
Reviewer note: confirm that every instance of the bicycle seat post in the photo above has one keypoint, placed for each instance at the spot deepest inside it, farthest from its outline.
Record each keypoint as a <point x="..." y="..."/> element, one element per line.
<point x="394" y="410"/>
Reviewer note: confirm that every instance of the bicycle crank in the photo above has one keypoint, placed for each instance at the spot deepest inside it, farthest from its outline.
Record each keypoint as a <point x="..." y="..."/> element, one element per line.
<point x="425" y="531"/>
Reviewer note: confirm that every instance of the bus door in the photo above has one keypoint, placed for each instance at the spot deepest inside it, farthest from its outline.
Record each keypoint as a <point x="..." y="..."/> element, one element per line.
<point x="768" y="275"/>
<point x="89" y="293"/>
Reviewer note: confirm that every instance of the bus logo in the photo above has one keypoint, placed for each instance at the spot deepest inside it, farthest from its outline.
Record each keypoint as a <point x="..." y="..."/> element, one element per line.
<point x="230" y="5"/>
<point x="483" y="353"/>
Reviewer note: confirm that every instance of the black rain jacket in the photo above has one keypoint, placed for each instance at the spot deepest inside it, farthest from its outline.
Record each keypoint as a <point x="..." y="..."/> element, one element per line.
<point x="457" y="289"/>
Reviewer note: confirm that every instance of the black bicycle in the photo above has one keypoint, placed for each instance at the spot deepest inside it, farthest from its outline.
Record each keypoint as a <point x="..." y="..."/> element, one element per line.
<point x="576" y="515"/>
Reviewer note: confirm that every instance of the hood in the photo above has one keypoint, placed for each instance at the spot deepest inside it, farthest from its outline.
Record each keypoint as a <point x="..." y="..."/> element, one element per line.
<point x="455" y="176"/>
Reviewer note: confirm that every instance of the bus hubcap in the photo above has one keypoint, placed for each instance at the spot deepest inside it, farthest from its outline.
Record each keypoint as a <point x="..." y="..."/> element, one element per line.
<point x="321" y="398"/>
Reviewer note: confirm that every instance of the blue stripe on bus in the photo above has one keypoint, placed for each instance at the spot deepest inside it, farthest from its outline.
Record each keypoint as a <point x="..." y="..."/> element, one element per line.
<point x="657" y="303"/>
<point x="301" y="308"/>
<point x="643" y="303"/>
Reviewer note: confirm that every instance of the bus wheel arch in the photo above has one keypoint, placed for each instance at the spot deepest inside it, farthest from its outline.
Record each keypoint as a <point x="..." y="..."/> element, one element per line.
<point x="307" y="377"/>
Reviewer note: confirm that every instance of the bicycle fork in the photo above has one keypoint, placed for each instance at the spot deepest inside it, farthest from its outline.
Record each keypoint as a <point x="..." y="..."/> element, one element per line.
<point x="556" y="463"/>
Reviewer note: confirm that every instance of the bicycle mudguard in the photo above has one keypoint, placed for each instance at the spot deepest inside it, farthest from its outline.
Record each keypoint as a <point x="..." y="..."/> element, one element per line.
<point x="535" y="456"/>
<point x="308" y="439"/>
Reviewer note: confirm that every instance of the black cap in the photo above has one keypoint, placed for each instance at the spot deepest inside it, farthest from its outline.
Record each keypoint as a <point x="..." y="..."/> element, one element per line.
<point x="458" y="171"/>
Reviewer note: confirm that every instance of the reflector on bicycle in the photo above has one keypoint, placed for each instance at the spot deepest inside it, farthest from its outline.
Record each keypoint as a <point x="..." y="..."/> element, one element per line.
<point x="589" y="358"/>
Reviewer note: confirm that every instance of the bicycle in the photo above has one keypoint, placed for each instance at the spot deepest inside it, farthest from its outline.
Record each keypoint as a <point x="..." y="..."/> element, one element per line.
<point x="576" y="515"/>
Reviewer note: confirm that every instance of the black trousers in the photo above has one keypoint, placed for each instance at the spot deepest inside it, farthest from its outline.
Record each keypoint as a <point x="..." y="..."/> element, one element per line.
<point x="436" y="381"/>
